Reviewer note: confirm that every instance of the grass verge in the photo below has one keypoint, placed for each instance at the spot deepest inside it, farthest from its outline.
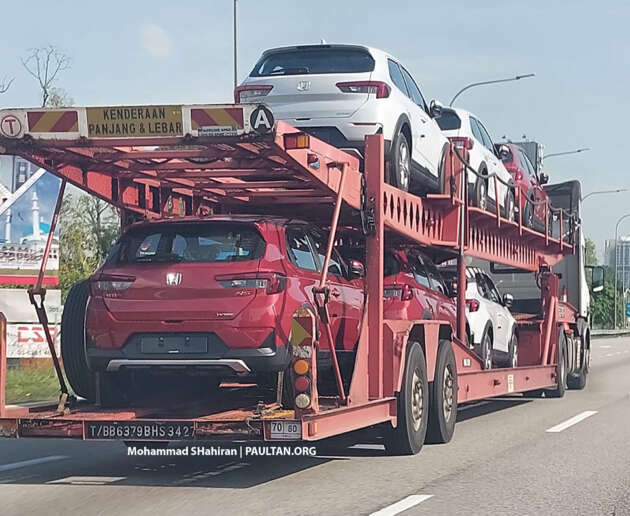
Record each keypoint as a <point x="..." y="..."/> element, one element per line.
<point x="26" y="384"/>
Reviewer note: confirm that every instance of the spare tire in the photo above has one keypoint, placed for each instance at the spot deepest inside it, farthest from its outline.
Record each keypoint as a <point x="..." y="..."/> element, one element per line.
<point x="75" y="364"/>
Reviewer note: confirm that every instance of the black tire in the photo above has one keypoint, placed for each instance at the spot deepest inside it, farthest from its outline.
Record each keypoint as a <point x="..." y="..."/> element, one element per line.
<point x="443" y="396"/>
<point x="480" y="194"/>
<point x="400" y="163"/>
<point x="80" y="378"/>
<point x="413" y="406"/>
<point x="513" y="351"/>
<point x="510" y="206"/>
<point x="578" y="381"/>
<point x="442" y="173"/>
<point x="486" y="345"/>
<point x="561" y="368"/>
<point x="528" y="215"/>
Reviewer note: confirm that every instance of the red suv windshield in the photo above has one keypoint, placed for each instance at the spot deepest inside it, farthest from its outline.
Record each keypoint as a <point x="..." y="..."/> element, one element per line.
<point x="189" y="243"/>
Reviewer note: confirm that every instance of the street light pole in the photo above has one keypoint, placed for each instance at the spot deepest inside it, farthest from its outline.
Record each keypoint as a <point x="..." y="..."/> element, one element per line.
<point x="235" y="54"/>
<point x="472" y="85"/>
<point x="623" y="217"/>
<point x="576" y="151"/>
<point x="599" y="192"/>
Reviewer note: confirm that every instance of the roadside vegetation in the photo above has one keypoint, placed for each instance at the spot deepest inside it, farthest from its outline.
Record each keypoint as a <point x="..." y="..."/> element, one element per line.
<point x="25" y="384"/>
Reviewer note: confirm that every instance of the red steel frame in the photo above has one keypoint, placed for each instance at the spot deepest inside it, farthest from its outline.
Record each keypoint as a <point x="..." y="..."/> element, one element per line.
<point x="251" y="173"/>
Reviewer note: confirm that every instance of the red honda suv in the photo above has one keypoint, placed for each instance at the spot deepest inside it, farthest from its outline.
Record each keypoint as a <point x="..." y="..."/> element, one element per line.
<point x="529" y="183"/>
<point x="414" y="289"/>
<point x="208" y="296"/>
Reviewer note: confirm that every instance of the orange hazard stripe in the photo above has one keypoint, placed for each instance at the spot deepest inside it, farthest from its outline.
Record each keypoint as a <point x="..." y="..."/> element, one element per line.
<point x="211" y="117"/>
<point x="52" y="121"/>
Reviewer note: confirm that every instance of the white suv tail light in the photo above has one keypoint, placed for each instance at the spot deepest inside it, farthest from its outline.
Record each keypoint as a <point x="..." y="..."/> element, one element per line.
<point x="379" y="88"/>
<point x="250" y="93"/>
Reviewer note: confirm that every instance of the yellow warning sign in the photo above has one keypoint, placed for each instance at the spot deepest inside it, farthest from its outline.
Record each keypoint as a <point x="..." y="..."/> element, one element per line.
<point x="134" y="121"/>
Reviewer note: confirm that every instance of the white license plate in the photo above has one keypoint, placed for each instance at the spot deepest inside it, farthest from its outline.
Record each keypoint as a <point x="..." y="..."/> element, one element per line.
<point x="286" y="430"/>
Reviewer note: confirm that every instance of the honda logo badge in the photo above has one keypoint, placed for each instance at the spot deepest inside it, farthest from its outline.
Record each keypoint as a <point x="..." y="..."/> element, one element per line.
<point x="304" y="85"/>
<point x="173" y="278"/>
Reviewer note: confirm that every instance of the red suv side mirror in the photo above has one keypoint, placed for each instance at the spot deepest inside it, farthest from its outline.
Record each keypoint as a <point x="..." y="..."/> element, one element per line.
<point x="357" y="269"/>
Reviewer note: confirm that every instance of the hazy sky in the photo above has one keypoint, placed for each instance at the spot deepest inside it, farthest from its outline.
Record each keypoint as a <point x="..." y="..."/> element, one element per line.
<point x="181" y="52"/>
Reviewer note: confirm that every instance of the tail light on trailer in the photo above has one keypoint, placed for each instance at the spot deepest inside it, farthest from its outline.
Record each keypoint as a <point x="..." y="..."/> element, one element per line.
<point x="297" y="141"/>
<point x="251" y="93"/>
<point x="303" y="370"/>
<point x="461" y="142"/>
<point x="472" y="305"/>
<point x="403" y="292"/>
<point x="379" y="88"/>
<point x="270" y="282"/>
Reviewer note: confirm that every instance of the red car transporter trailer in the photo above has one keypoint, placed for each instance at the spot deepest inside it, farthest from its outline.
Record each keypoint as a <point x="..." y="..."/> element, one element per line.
<point x="166" y="161"/>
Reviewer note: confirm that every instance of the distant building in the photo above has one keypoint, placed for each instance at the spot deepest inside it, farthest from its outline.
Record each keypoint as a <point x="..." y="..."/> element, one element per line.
<point x="619" y="255"/>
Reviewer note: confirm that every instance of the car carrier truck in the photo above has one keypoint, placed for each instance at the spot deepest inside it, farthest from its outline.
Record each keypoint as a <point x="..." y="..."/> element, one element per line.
<point x="408" y="376"/>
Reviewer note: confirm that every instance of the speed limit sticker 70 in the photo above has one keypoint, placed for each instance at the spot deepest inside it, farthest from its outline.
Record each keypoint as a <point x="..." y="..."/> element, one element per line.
<point x="285" y="430"/>
<point x="10" y="126"/>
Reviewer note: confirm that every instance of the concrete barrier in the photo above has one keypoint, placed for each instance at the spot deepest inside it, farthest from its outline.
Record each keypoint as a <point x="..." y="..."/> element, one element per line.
<point x="602" y="334"/>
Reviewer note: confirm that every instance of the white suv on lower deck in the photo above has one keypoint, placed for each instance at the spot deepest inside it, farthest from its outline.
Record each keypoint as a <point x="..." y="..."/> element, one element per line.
<point x="341" y="94"/>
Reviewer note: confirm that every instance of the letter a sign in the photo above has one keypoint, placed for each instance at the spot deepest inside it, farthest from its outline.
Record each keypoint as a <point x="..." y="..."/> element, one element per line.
<point x="261" y="120"/>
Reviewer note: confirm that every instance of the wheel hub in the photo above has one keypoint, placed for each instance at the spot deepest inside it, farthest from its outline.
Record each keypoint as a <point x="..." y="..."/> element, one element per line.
<point x="417" y="397"/>
<point x="403" y="166"/>
<point x="448" y="393"/>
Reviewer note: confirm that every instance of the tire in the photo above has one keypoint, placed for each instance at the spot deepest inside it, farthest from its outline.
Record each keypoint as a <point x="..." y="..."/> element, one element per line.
<point x="510" y="208"/>
<point x="400" y="163"/>
<point x="528" y="215"/>
<point x="561" y="368"/>
<point x="443" y="396"/>
<point x="442" y="173"/>
<point x="481" y="193"/>
<point x="513" y="351"/>
<point x="484" y="350"/>
<point x="412" y="406"/>
<point x="75" y="364"/>
<point x="578" y="381"/>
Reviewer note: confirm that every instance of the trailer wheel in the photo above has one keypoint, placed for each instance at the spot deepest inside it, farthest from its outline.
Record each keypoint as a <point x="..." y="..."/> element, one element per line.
<point x="412" y="406"/>
<point x="561" y="368"/>
<point x="75" y="364"/>
<point x="578" y="381"/>
<point x="443" y="396"/>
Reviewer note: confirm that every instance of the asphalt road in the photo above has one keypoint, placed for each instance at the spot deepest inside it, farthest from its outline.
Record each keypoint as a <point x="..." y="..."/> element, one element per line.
<point x="502" y="460"/>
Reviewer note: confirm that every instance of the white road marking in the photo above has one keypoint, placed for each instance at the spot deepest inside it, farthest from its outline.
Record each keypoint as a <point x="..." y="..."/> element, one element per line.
<point x="403" y="505"/>
<point x="86" y="481"/>
<point x="605" y="347"/>
<point x="609" y="354"/>
<point x="31" y="462"/>
<point x="570" y="422"/>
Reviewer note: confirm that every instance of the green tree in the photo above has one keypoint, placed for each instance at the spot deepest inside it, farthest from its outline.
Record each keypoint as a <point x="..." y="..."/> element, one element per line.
<point x="603" y="303"/>
<point x="590" y="252"/>
<point x="88" y="228"/>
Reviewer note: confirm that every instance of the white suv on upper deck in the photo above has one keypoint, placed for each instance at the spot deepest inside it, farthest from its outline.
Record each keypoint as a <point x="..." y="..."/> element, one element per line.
<point x="342" y="93"/>
<point x="466" y="131"/>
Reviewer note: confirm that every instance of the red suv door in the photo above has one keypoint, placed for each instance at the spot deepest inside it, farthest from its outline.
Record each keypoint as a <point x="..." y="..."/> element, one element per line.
<point x="443" y="306"/>
<point x="346" y="297"/>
